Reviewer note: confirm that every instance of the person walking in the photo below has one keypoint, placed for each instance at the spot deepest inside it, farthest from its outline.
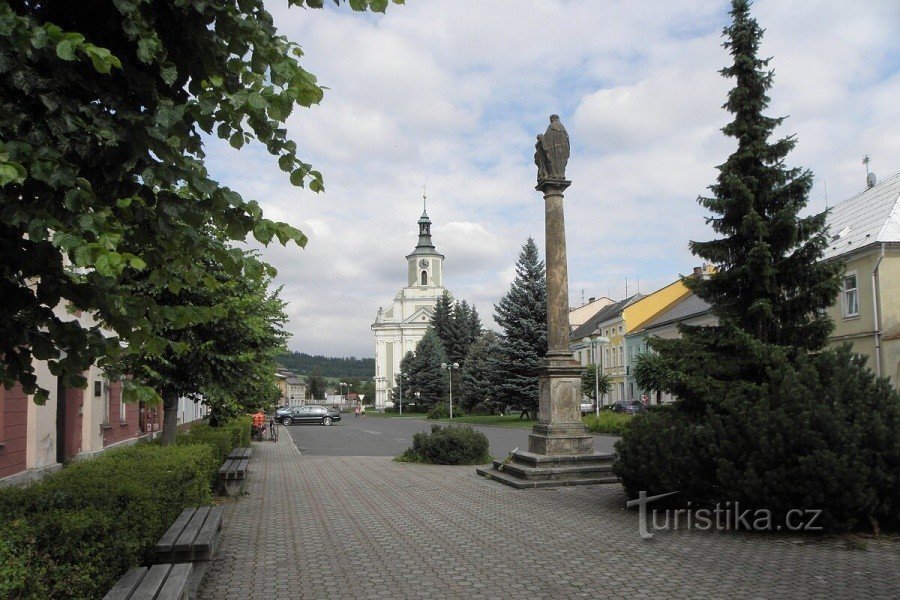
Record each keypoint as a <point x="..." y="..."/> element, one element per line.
<point x="356" y="411"/>
<point x="362" y="410"/>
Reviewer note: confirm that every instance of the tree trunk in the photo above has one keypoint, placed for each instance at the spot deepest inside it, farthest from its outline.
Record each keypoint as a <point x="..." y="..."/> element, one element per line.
<point x="170" y="417"/>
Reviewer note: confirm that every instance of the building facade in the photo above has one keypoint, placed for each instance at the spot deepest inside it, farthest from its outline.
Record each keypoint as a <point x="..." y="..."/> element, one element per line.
<point x="864" y="235"/>
<point x="400" y="326"/>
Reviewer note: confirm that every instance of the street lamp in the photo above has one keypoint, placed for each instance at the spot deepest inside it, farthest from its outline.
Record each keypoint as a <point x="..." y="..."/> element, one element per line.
<point x="343" y="395"/>
<point x="400" y="381"/>
<point x="593" y="340"/>
<point x="450" y="369"/>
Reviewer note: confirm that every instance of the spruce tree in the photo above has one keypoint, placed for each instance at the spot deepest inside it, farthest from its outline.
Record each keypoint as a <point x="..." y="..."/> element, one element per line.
<point x="769" y="290"/>
<point x="522" y="313"/>
<point x="769" y="281"/>
<point x="441" y="320"/>
<point x="426" y="375"/>
<point x="458" y="338"/>
<point x="475" y="381"/>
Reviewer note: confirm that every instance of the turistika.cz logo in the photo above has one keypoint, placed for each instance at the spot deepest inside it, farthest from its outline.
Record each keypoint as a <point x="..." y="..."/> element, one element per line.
<point x="723" y="517"/>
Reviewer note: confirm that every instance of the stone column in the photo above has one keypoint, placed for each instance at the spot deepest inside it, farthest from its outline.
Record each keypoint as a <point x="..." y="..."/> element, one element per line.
<point x="559" y="430"/>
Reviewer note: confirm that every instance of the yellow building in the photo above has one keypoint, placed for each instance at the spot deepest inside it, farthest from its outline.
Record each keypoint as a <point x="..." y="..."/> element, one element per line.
<point x="616" y="321"/>
<point x="865" y="236"/>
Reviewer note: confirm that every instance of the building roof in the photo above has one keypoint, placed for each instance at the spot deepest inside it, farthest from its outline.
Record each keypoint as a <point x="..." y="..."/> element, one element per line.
<point x="604" y="314"/>
<point x="294" y="380"/>
<point x="870" y="217"/>
<point x="691" y="306"/>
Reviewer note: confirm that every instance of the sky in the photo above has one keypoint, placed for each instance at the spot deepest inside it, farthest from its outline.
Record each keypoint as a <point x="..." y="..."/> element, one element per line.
<point x="449" y="95"/>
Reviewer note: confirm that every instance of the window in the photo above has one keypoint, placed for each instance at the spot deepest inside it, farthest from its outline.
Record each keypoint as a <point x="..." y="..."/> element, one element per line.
<point x="105" y="387"/>
<point x="123" y="415"/>
<point x="98" y="389"/>
<point x="607" y="358"/>
<point x="621" y="356"/>
<point x="424" y="277"/>
<point x="851" y="296"/>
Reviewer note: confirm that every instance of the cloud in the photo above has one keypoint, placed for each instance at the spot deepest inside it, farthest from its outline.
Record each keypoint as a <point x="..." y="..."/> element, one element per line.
<point x="450" y="94"/>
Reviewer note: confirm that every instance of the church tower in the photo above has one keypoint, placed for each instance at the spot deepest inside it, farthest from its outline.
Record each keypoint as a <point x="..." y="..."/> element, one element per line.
<point x="425" y="263"/>
<point x="399" y="327"/>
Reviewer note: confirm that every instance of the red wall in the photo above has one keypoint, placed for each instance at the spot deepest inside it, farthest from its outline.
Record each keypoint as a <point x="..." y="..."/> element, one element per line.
<point x="13" y="434"/>
<point x="119" y="431"/>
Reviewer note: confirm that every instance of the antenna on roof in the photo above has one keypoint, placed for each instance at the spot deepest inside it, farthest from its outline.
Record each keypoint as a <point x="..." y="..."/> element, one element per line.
<point x="825" y="183"/>
<point x="638" y="284"/>
<point x="626" y="287"/>
<point x="424" y="197"/>
<point x="582" y="296"/>
<point x="870" y="177"/>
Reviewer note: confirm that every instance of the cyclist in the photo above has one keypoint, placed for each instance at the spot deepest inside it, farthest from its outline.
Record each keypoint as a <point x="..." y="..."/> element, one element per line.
<point x="259" y="422"/>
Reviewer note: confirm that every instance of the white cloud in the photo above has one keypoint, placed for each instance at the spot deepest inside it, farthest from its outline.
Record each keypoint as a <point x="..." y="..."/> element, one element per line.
<point x="450" y="94"/>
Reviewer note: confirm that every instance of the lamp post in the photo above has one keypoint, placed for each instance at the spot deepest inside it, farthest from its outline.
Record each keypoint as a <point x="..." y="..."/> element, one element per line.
<point x="400" y="381"/>
<point x="594" y="340"/>
<point x="343" y="395"/>
<point x="450" y="369"/>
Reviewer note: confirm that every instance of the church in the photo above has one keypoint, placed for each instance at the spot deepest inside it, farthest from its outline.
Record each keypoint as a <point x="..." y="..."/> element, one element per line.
<point x="400" y="327"/>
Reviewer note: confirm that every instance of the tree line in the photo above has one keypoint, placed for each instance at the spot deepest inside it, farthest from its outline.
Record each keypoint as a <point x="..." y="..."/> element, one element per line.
<point x="328" y="366"/>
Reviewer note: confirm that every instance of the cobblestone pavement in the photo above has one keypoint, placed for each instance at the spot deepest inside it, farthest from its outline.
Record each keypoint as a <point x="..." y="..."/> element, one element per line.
<point x="366" y="527"/>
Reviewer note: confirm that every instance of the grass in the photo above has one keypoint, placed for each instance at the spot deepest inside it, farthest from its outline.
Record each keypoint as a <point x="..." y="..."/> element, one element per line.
<point x="609" y="423"/>
<point x="492" y="421"/>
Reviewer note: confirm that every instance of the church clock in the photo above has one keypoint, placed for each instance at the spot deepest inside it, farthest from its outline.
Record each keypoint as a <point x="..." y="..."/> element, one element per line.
<point x="423" y="263"/>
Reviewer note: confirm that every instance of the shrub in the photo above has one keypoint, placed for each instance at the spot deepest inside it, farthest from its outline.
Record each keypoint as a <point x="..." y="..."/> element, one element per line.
<point x="819" y="434"/>
<point x="608" y="422"/>
<point x="74" y="533"/>
<point x="442" y="411"/>
<point x="222" y="438"/>
<point x="453" y="445"/>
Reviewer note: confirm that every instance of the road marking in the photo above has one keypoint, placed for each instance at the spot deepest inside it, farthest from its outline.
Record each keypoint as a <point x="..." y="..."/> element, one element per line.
<point x="372" y="432"/>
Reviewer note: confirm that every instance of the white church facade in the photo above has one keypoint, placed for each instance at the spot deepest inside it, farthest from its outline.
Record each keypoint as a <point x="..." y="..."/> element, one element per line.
<point x="400" y="327"/>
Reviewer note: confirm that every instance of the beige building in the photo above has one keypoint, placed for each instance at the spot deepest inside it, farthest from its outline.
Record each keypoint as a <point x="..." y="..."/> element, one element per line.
<point x="865" y="236"/>
<point x="580" y="314"/>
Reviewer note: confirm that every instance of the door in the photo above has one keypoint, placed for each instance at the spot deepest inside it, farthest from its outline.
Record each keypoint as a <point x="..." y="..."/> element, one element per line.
<point x="302" y="414"/>
<point x="74" y="410"/>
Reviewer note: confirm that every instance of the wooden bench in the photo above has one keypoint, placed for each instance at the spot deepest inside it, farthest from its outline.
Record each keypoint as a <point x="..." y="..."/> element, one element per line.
<point x="192" y="537"/>
<point x="160" y="582"/>
<point x="240" y="453"/>
<point x="234" y="470"/>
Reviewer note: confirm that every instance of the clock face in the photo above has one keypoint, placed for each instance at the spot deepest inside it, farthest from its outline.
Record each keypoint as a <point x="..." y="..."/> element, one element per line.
<point x="423" y="263"/>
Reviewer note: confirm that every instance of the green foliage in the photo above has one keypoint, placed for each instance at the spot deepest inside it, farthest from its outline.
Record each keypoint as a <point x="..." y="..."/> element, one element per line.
<point x="221" y="439"/>
<point x="316" y="384"/>
<point x="522" y="313"/>
<point x="102" y="168"/>
<point x="769" y="281"/>
<point x="424" y="373"/>
<point x="341" y="368"/>
<point x="592" y="381"/>
<point x="476" y="375"/>
<point x="608" y="422"/>
<point x="457" y="325"/>
<point x="453" y="445"/>
<point x="820" y="433"/>
<point x="73" y="534"/>
<point x="227" y="359"/>
<point x="442" y="411"/>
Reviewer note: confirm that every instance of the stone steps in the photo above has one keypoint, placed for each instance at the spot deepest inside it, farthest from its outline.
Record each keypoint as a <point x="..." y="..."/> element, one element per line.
<point x="530" y="470"/>
<point x="520" y="483"/>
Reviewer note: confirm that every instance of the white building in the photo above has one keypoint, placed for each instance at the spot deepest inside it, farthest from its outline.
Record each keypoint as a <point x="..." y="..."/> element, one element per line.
<point x="400" y="327"/>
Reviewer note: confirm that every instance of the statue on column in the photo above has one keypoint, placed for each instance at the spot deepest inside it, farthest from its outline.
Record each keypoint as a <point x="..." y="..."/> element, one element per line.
<point x="552" y="151"/>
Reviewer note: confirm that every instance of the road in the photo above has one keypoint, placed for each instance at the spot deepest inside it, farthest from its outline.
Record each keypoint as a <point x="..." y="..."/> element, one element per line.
<point x="390" y="437"/>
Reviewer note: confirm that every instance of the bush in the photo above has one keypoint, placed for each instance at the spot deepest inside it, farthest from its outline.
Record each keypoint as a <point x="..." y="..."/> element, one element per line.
<point x="608" y="422"/>
<point x="453" y="445"/>
<point x="820" y="434"/>
<point x="222" y="439"/>
<point x="74" y="533"/>
<point x="442" y="411"/>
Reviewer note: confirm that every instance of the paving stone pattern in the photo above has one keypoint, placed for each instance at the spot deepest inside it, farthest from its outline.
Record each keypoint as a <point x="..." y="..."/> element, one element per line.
<point x="366" y="527"/>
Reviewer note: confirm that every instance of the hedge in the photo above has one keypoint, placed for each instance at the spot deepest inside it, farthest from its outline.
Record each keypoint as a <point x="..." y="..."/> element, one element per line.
<point x="608" y="422"/>
<point x="222" y="439"/>
<point x="453" y="445"/>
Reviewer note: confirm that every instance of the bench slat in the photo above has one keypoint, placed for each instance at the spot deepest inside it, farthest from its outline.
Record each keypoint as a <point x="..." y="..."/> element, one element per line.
<point x="243" y="467"/>
<point x="151" y="582"/>
<point x="240" y="453"/>
<point x="226" y="466"/>
<point x="186" y="539"/>
<point x="126" y="585"/>
<point x="168" y="539"/>
<point x="203" y="545"/>
<point x="176" y="585"/>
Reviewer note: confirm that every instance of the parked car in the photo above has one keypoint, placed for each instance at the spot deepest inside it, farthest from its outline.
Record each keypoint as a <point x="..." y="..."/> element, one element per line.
<point x="629" y="407"/>
<point x="311" y="413"/>
<point x="587" y="406"/>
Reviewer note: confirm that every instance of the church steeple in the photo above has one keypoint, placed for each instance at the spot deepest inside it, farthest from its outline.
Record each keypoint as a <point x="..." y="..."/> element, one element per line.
<point x="425" y="263"/>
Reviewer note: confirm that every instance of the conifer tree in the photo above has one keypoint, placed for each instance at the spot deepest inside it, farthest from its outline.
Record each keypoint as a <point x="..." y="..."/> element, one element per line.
<point x="769" y="281"/>
<point x="442" y="318"/>
<point x="522" y="313"/>
<point x="425" y="372"/>
<point x="475" y="381"/>
<point x="769" y="288"/>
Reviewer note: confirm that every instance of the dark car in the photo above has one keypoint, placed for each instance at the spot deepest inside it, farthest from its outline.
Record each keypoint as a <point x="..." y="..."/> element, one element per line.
<point x="310" y="413"/>
<point x="629" y="407"/>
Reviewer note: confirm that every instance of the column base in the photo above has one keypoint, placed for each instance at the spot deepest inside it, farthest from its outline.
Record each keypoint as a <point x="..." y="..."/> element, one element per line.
<point x="529" y="470"/>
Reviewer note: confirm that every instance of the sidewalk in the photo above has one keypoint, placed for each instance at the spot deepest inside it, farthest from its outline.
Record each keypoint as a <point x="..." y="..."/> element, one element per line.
<point x="366" y="527"/>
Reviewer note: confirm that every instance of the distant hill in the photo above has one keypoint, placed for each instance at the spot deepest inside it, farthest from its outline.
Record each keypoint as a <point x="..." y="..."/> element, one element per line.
<point x="302" y="364"/>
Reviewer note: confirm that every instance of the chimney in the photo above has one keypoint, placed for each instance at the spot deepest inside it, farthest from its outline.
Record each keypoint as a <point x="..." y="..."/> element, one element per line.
<point x="698" y="272"/>
<point x="871" y="180"/>
<point x="591" y="300"/>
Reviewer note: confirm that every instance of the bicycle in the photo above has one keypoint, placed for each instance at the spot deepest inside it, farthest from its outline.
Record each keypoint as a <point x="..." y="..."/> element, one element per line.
<point x="273" y="430"/>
